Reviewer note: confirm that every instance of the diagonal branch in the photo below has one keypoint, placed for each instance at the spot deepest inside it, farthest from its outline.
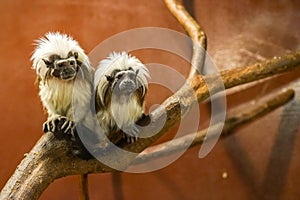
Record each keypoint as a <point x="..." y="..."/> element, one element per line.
<point x="184" y="98"/>
<point x="231" y="123"/>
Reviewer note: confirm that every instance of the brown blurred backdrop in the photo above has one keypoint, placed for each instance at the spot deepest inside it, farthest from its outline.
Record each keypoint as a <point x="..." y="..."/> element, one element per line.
<point x="261" y="161"/>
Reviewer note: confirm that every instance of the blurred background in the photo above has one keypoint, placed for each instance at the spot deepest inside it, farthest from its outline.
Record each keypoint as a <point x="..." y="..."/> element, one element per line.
<point x="260" y="161"/>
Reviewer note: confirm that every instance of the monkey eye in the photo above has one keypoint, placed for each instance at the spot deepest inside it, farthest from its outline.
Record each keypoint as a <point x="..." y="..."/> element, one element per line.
<point x="119" y="76"/>
<point x="72" y="63"/>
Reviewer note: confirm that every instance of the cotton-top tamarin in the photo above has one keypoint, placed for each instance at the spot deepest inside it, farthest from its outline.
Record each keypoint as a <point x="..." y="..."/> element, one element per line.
<point x="65" y="81"/>
<point x="121" y="86"/>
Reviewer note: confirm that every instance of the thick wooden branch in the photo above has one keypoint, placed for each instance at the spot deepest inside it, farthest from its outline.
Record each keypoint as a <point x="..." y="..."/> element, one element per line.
<point x="50" y="159"/>
<point x="250" y="114"/>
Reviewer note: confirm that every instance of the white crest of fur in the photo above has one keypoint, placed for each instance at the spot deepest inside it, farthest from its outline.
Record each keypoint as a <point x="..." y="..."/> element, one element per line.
<point x="121" y="61"/>
<point x="59" y="44"/>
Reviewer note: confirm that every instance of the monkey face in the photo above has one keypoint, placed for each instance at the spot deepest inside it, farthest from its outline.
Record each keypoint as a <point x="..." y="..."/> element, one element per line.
<point x="124" y="82"/>
<point x="63" y="68"/>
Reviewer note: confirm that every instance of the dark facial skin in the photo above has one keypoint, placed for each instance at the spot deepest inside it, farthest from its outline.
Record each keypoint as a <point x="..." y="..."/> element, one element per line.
<point x="123" y="82"/>
<point x="63" y="68"/>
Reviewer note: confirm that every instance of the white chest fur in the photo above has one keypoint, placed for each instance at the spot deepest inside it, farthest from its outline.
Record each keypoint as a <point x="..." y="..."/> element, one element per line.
<point x="59" y="96"/>
<point x="125" y="111"/>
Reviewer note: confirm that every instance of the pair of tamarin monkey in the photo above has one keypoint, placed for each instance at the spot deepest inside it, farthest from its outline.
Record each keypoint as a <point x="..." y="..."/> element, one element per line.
<point x="67" y="87"/>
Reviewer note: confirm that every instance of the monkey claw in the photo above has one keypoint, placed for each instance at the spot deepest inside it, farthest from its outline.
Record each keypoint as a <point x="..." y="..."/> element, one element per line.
<point x="60" y="126"/>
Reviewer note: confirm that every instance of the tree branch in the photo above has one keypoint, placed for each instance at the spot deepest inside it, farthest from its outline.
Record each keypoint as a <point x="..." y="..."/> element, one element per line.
<point x="49" y="159"/>
<point x="83" y="190"/>
<point x="250" y="114"/>
<point x="195" y="31"/>
<point x="184" y="98"/>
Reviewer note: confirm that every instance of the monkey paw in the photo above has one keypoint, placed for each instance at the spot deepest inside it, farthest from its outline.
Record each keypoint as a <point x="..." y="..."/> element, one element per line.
<point x="59" y="124"/>
<point x="67" y="126"/>
<point x="49" y="126"/>
<point x="131" y="133"/>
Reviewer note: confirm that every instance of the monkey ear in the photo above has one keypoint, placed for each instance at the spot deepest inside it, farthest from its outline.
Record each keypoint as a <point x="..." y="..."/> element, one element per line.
<point x="137" y="71"/>
<point x="109" y="78"/>
<point x="76" y="55"/>
<point x="47" y="63"/>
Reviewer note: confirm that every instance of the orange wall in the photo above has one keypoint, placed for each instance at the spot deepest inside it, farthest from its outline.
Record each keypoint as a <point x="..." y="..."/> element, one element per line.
<point x="248" y="157"/>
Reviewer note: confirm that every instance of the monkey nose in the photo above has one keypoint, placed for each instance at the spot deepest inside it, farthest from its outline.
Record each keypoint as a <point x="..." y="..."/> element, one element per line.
<point x="127" y="86"/>
<point x="68" y="73"/>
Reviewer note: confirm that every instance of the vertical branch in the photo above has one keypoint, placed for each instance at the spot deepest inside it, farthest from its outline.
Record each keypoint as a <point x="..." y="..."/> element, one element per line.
<point x="83" y="191"/>
<point x="190" y="7"/>
<point x="194" y="30"/>
<point x="117" y="186"/>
